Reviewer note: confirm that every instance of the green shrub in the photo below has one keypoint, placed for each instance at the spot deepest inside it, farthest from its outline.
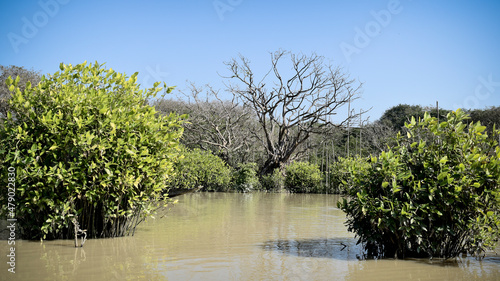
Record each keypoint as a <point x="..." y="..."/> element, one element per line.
<point x="274" y="181"/>
<point x="85" y="144"/>
<point x="245" y="177"/>
<point x="340" y="173"/>
<point x="199" y="168"/>
<point x="302" y="177"/>
<point x="436" y="194"/>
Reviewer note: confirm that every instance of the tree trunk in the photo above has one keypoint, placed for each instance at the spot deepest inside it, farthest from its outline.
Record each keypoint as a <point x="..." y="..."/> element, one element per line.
<point x="269" y="166"/>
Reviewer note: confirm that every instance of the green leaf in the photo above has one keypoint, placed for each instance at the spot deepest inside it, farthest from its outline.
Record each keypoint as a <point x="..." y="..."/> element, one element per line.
<point x="170" y="89"/>
<point x="8" y="81"/>
<point x="442" y="175"/>
<point x="108" y="171"/>
<point x="444" y="160"/>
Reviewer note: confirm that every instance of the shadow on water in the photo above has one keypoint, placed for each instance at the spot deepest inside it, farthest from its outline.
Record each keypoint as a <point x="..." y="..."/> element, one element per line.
<point x="346" y="249"/>
<point x="336" y="248"/>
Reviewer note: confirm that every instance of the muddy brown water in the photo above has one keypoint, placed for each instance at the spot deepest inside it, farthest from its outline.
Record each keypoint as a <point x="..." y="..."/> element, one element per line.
<point x="227" y="236"/>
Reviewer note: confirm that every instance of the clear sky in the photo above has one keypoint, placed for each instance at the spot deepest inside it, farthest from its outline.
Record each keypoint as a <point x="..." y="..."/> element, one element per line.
<point x="413" y="52"/>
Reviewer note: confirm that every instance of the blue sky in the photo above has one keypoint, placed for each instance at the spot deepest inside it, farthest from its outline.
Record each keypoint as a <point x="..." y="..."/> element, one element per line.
<point x="413" y="52"/>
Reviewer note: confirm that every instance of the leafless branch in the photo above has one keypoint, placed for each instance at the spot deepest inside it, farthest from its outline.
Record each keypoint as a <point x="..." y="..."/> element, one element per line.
<point x="225" y="127"/>
<point x="292" y="109"/>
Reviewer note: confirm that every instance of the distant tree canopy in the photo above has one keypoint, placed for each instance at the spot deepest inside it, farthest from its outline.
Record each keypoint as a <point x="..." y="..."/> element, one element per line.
<point x="396" y="116"/>
<point x="24" y="74"/>
<point x="488" y="117"/>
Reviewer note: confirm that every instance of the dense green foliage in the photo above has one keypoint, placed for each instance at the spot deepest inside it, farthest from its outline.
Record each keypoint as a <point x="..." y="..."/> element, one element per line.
<point x="274" y="181"/>
<point x="245" y="177"/>
<point x="85" y="145"/>
<point x="201" y="169"/>
<point x="341" y="171"/>
<point x="302" y="177"/>
<point x="435" y="194"/>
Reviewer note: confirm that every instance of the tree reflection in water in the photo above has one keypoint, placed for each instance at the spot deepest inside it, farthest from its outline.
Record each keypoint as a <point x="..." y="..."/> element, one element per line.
<point x="337" y="248"/>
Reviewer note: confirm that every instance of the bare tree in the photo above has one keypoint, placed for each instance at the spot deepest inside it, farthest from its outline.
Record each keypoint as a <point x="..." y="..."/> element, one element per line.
<point x="222" y="126"/>
<point x="294" y="108"/>
<point x="24" y="76"/>
<point x="379" y="136"/>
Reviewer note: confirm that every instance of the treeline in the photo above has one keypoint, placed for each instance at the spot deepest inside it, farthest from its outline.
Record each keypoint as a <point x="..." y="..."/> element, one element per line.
<point x="87" y="147"/>
<point x="225" y="132"/>
<point x="231" y="143"/>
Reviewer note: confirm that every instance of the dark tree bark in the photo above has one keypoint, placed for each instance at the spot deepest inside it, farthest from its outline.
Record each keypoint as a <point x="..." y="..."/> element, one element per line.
<point x="290" y="110"/>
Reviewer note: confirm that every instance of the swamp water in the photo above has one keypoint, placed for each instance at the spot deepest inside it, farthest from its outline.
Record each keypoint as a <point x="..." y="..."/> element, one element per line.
<point x="233" y="236"/>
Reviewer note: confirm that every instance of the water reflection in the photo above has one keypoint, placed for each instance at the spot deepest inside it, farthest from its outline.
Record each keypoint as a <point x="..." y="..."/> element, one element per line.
<point x="315" y="251"/>
<point x="336" y="248"/>
<point x="223" y="236"/>
<point x="100" y="259"/>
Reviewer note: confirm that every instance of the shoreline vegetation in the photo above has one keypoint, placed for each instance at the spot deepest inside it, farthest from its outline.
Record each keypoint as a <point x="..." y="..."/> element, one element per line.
<point x="86" y="147"/>
<point x="90" y="148"/>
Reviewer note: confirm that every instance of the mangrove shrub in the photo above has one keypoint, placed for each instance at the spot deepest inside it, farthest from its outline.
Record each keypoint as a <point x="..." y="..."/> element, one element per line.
<point x="85" y="145"/>
<point x="201" y="169"/>
<point x="274" y="181"/>
<point x="245" y="177"/>
<point x="341" y="171"/>
<point x="302" y="177"/>
<point x="435" y="194"/>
